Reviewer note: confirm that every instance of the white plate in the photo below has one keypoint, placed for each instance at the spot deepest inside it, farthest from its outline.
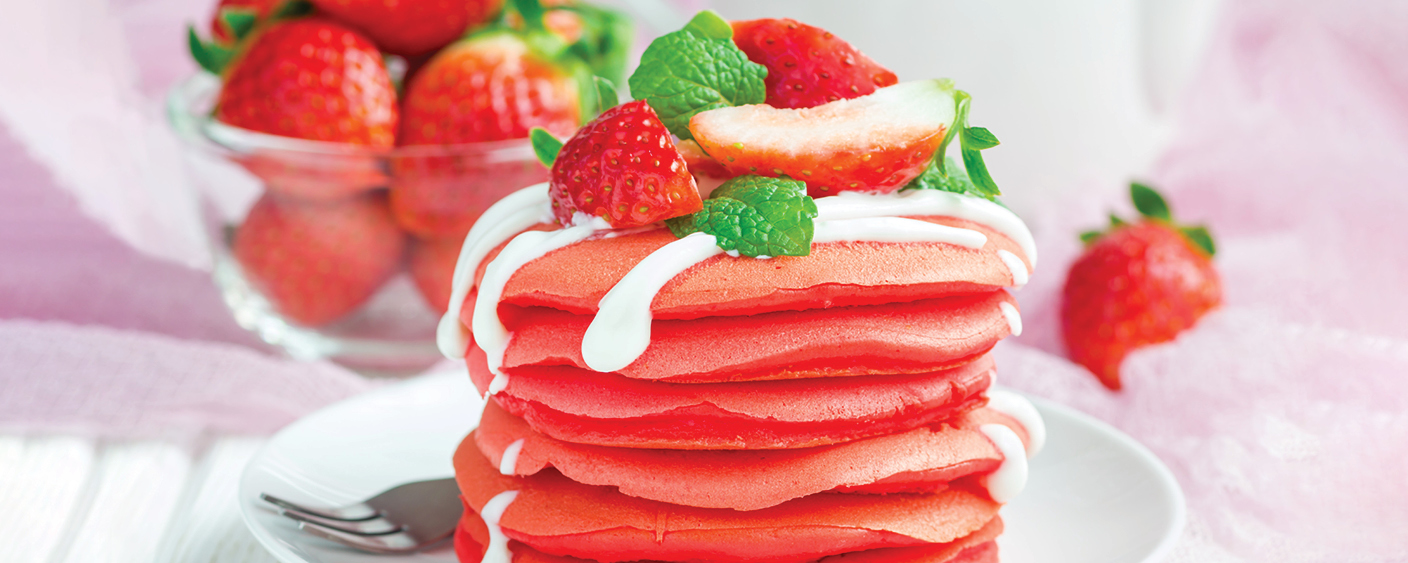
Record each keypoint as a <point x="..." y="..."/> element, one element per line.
<point x="1095" y="495"/>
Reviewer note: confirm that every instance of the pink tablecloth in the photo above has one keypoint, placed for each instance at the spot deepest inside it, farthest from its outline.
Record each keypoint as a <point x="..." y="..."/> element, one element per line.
<point x="1284" y="415"/>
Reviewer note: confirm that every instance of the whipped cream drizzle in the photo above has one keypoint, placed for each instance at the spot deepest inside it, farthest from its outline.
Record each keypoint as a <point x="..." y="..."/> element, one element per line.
<point x="1025" y="413"/>
<point x="507" y="217"/>
<point x="1016" y="266"/>
<point x="492" y="513"/>
<point x="508" y="463"/>
<point x="620" y="332"/>
<point x="1010" y="478"/>
<point x="1014" y="319"/>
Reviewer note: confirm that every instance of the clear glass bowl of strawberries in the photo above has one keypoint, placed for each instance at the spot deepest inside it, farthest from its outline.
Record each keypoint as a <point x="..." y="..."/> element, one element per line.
<point x="343" y="149"/>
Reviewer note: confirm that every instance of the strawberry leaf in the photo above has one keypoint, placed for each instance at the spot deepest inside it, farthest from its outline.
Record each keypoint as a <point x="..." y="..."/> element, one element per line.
<point x="606" y="95"/>
<point x="1089" y="237"/>
<point x="605" y="44"/>
<point x="1115" y="221"/>
<point x="696" y="69"/>
<point x="211" y="57"/>
<point x="961" y="100"/>
<point x="1201" y="238"/>
<point x="978" y="172"/>
<point x="532" y="12"/>
<point x="1149" y="203"/>
<point x="238" y="21"/>
<point x="755" y="216"/>
<point x="545" y="146"/>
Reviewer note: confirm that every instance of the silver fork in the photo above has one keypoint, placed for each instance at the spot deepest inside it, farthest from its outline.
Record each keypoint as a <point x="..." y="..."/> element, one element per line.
<point x="402" y="519"/>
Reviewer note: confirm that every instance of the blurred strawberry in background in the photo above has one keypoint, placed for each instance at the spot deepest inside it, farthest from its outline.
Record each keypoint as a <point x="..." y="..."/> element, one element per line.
<point x="412" y="27"/>
<point x="1137" y="284"/>
<point x="318" y="261"/>
<point x="432" y="267"/>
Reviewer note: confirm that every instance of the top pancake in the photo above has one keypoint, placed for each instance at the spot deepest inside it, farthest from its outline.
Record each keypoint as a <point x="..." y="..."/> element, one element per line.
<point x="575" y="278"/>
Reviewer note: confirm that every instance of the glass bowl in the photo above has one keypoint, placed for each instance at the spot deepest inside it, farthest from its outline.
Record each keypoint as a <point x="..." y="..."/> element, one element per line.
<point x="338" y="251"/>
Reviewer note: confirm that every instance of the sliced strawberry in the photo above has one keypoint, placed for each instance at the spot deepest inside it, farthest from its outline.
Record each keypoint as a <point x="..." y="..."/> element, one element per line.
<point x="624" y="167"/>
<point x="412" y="27"/>
<point x="432" y="266"/>
<point x="318" y="261"/>
<point x="872" y="143"/>
<point x="313" y="79"/>
<point x="808" y="66"/>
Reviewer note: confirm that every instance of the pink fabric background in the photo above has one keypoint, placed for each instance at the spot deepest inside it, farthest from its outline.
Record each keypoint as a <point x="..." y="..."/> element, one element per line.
<point x="1284" y="415"/>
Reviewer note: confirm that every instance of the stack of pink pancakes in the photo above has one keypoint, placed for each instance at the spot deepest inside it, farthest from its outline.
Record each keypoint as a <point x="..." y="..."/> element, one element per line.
<point x="832" y="407"/>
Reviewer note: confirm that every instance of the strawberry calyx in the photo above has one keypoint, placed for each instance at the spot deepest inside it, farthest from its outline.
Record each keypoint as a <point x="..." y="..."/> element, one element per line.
<point x="238" y="24"/>
<point x="1153" y="208"/>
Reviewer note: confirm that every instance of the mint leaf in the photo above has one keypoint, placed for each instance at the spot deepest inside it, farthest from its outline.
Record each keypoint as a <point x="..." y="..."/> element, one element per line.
<point x="1201" y="238"/>
<point x="1149" y="203"/>
<point x="756" y="216"/>
<point x="605" y="43"/>
<point x="979" y="138"/>
<point x="545" y="146"/>
<point x="696" y="69"/>
<point x="606" y="96"/>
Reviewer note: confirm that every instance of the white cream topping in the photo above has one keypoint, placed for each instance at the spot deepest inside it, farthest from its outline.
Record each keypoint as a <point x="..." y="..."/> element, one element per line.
<point x="913" y="203"/>
<point x="499" y="383"/>
<point x="506" y="218"/>
<point x="1010" y="478"/>
<point x="509" y="462"/>
<point x="894" y="229"/>
<point x="489" y="332"/>
<point x="1025" y="413"/>
<point x="492" y="513"/>
<point x="620" y="332"/>
<point x="1014" y="319"/>
<point x="1017" y="267"/>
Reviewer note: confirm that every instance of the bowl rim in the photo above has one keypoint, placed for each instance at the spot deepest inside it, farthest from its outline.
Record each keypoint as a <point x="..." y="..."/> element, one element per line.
<point x="189" y="107"/>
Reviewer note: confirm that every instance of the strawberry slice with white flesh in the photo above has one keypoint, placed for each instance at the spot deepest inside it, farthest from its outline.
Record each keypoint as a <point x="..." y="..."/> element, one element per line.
<point x="874" y="143"/>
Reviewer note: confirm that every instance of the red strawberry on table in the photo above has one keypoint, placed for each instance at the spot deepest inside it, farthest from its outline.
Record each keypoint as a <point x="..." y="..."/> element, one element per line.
<point x="412" y="27"/>
<point x="871" y="143"/>
<point x="808" y="66"/>
<point x="1137" y="284"/>
<point x="491" y="87"/>
<point x="432" y="266"/>
<point x="316" y="262"/>
<point x="623" y="167"/>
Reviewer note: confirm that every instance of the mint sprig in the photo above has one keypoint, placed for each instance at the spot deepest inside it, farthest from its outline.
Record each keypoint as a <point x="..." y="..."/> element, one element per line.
<point x="949" y="177"/>
<point x="971" y="141"/>
<point x="755" y="216"/>
<point x="696" y="69"/>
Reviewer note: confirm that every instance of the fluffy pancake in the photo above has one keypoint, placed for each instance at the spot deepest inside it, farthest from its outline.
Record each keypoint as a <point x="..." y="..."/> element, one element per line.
<point x="575" y="278"/>
<point x="977" y="547"/>
<point x="913" y="337"/>
<point x="555" y="515"/>
<point x="921" y="460"/>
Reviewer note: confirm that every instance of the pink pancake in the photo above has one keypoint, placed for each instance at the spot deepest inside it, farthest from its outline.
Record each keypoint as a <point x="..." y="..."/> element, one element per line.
<point x="587" y="407"/>
<point x="977" y="547"/>
<point x="921" y="460"/>
<point x="575" y="278"/>
<point x="557" y="516"/>
<point x="914" y="337"/>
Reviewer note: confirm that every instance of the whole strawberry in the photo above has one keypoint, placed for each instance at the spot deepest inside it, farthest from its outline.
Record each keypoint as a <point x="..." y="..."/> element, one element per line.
<point x="491" y="87"/>
<point x="1137" y="284"/>
<point x="623" y="167"/>
<point x="412" y="27"/>
<point x="311" y="78"/>
<point x="808" y="66"/>
<point x="317" y="262"/>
